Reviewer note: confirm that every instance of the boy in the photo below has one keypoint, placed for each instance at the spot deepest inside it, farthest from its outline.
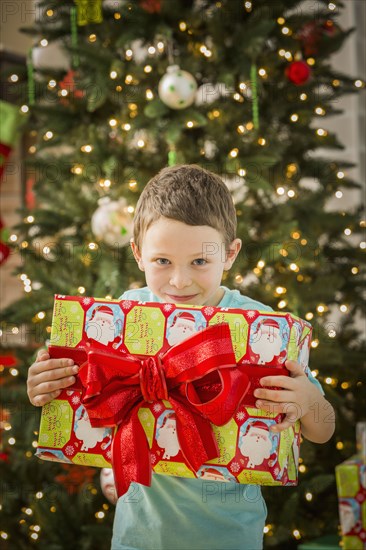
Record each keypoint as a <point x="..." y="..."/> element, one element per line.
<point x="184" y="239"/>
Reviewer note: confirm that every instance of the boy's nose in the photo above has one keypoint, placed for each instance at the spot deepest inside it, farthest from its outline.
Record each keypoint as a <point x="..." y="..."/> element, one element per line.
<point x="180" y="279"/>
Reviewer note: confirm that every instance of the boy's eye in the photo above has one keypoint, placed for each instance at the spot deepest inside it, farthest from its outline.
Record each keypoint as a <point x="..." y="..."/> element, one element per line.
<point x="162" y="261"/>
<point x="200" y="261"/>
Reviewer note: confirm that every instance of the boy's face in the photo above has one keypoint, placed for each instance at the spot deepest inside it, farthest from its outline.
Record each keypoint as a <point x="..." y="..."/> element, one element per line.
<point x="183" y="263"/>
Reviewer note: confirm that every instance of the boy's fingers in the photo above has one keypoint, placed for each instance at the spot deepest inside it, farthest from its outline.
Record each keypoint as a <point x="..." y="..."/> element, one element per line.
<point x="52" y="364"/>
<point x="41" y="400"/>
<point x="41" y="353"/>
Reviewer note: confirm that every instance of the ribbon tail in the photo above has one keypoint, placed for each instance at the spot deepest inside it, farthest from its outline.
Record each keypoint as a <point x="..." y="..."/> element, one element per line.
<point x="130" y="455"/>
<point x="196" y="439"/>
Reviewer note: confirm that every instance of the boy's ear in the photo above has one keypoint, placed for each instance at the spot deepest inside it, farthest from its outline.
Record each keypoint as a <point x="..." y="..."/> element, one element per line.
<point x="232" y="253"/>
<point x="137" y="255"/>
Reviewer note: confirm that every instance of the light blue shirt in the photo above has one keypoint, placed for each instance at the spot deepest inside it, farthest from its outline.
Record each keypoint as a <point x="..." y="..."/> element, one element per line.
<point x="191" y="514"/>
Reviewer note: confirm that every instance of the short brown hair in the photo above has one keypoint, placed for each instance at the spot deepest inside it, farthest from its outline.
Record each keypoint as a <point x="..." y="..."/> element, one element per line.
<point x="189" y="194"/>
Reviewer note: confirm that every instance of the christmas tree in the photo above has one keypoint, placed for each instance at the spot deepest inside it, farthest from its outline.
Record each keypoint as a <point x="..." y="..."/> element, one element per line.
<point x="243" y="89"/>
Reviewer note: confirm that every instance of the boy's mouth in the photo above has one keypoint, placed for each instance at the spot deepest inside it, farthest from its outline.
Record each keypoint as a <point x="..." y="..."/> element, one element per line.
<point x="181" y="299"/>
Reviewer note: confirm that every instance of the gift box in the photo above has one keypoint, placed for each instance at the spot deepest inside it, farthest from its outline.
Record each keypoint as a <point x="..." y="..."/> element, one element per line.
<point x="169" y="388"/>
<point x="351" y="488"/>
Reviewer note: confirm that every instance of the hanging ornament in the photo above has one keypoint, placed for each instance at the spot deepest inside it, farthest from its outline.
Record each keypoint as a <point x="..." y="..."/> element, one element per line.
<point x="177" y="88"/>
<point x="151" y="6"/>
<point x="89" y="11"/>
<point x="254" y="84"/>
<point x="68" y="83"/>
<point x="112" y="222"/>
<point x="298" y="72"/>
<point x="74" y="479"/>
<point x="10" y="122"/>
<point x="314" y="37"/>
<point x="107" y="485"/>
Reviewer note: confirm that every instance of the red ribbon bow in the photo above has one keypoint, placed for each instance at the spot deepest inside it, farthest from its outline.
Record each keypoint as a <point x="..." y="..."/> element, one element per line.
<point x="117" y="385"/>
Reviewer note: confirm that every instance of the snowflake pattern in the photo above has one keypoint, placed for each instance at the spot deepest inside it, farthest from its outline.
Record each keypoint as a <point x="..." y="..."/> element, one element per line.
<point x="75" y="400"/>
<point x="109" y="454"/>
<point x="208" y="310"/>
<point x="86" y="301"/>
<point x="276" y="471"/>
<point x="167" y="307"/>
<point x="240" y="416"/>
<point x="235" y="467"/>
<point x="157" y="407"/>
<point x="250" y="314"/>
<point x="127" y="304"/>
<point x="153" y="459"/>
<point x="70" y="450"/>
<point x="60" y="296"/>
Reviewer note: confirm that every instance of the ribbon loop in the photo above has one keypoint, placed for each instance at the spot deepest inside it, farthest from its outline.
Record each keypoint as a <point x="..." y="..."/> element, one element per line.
<point x="152" y="380"/>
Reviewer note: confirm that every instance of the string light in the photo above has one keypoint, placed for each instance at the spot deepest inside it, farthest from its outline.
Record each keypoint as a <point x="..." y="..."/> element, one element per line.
<point x="285" y="30"/>
<point x="340" y="175"/>
<point x="81" y="290"/>
<point x="117" y="16"/>
<point x="242" y="172"/>
<point x="280" y="191"/>
<point x="315" y="343"/>
<point x="343" y="308"/>
<point x="262" y="72"/>
<point x="320" y="111"/>
<point x="234" y="153"/>
<point x="348" y="231"/>
<point x="363" y="245"/>
<point x="261" y="264"/>
<point x="291" y="193"/>
<point x="149" y="95"/>
<point x="294" y="117"/>
<point x="321" y="132"/>
<point x="14" y="78"/>
<point x="86" y="148"/>
<point x="339" y="194"/>
<point x="321" y="308"/>
<point x="309" y="497"/>
<point x="190" y="124"/>
<point x="359" y="84"/>
<point x="354" y="270"/>
<point x="147" y="69"/>
<point x="113" y="123"/>
<point x="113" y="75"/>
<point x="281" y="290"/>
<point x="92" y="38"/>
<point x="48" y="135"/>
<point x="303" y="97"/>
<point x="339" y="445"/>
<point x="332" y="6"/>
<point x="281" y="21"/>
<point x="248" y="6"/>
<point x="310" y="61"/>
<point x="128" y="55"/>
<point x="24" y="108"/>
<point x="262" y="142"/>
<point x="302" y="468"/>
<point x="282" y="304"/>
<point x="296" y="533"/>
<point x="44" y="42"/>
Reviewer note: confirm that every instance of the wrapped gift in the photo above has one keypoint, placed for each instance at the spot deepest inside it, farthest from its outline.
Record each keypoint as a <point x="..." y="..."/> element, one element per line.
<point x="169" y="388"/>
<point x="351" y="487"/>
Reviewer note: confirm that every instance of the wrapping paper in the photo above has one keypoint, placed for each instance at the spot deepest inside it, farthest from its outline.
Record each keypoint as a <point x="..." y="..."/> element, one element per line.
<point x="97" y="332"/>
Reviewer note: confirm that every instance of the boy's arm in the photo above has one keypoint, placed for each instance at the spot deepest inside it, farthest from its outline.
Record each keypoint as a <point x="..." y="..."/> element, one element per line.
<point x="299" y="399"/>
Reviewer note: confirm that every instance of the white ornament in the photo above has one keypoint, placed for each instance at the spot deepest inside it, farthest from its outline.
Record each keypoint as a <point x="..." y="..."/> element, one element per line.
<point x="112" y="222"/>
<point x="177" y="88"/>
<point x="53" y="55"/>
<point x="107" y="485"/>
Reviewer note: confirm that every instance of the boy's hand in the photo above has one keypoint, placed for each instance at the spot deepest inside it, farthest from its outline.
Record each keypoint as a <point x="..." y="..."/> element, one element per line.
<point x="47" y="377"/>
<point x="295" y="398"/>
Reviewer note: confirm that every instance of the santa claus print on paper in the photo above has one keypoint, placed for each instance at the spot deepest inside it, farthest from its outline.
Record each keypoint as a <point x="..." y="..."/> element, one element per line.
<point x="182" y="325"/>
<point x="256" y="443"/>
<point x="268" y="337"/>
<point x="166" y="435"/>
<point x="104" y="324"/>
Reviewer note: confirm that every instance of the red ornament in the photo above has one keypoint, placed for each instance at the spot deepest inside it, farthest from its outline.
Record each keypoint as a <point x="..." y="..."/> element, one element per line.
<point x="315" y="37"/>
<point x="151" y="6"/>
<point x="298" y="72"/>
<point x="68" y="83"/>
<point x="309" y="37"/>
